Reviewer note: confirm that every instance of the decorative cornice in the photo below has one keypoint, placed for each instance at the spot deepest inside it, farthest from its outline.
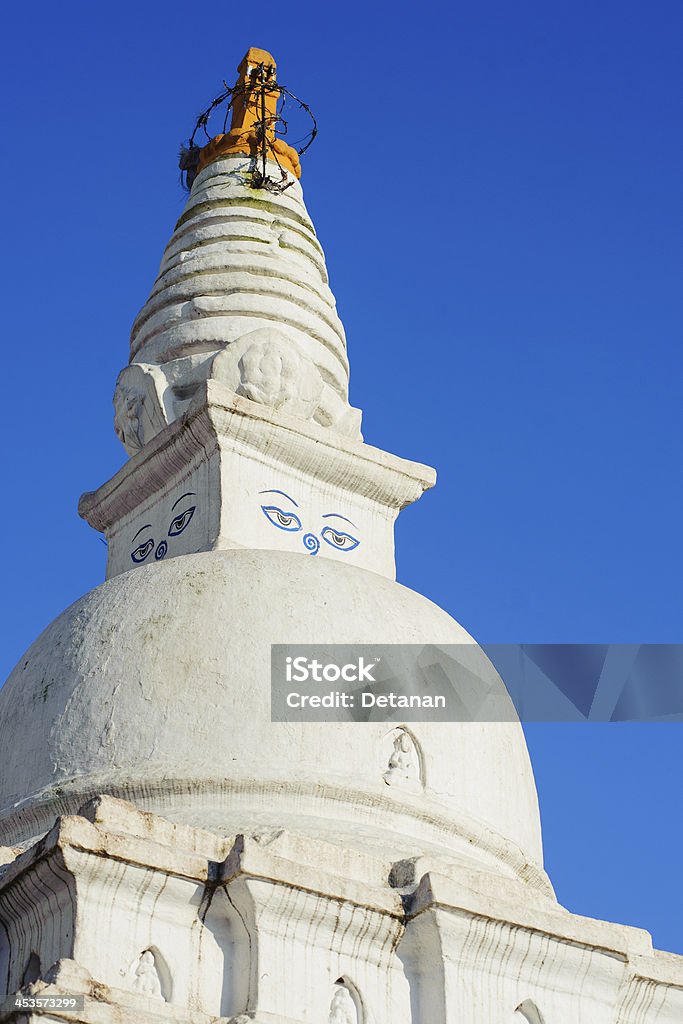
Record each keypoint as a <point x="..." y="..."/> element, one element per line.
<point x="217" y="418"/>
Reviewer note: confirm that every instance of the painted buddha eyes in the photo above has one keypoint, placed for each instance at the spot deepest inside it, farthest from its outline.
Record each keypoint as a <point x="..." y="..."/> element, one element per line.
<point x="283" y="520"/>
<point x="178" y="524"/>
<point x="289" y="521"/>
<point x="337" y="539"/>
<point x="181" y="521"/>
<point x="141" y="552"/>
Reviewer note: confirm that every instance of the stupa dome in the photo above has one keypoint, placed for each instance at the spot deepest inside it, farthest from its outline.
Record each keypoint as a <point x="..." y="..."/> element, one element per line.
<point x="155" y="687"/>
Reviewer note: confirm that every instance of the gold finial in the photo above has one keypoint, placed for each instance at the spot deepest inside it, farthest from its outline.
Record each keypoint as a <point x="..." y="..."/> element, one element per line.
<point x="256" y="94"/>
<point x="254" y="116"/>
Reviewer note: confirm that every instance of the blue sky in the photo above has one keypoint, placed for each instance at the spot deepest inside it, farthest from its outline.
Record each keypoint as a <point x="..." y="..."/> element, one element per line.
<point x="498" y="190"/>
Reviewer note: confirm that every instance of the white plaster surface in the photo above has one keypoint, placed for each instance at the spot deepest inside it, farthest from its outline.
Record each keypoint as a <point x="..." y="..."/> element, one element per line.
<point x="156" y="686"/>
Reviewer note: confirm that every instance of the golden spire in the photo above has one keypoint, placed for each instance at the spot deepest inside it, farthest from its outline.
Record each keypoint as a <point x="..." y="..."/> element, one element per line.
<point x="254" y="117"/>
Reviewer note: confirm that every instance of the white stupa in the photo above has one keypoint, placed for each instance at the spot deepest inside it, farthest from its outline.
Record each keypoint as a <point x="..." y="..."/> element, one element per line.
<point x="170" y="854"/>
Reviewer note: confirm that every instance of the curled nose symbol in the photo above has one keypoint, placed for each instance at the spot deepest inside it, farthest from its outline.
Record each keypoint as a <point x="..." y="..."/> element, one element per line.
<point x="161" y="550"/>
<point x="311" y="543"/>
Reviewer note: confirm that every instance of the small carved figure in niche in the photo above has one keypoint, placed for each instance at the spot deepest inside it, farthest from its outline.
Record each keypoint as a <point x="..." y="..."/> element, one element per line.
<point x="147" y="979"/>
<point x="342" y="1008"/>
<point x="528" y="1013"/>
<point x="402" y="765"/>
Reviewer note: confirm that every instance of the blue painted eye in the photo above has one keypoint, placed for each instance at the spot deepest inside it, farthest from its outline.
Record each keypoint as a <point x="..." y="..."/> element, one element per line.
<point x="283" y="520"/>
<point x="338" y="540"/>
<point x="181" y="521"/>
<point x="141" y="552"/>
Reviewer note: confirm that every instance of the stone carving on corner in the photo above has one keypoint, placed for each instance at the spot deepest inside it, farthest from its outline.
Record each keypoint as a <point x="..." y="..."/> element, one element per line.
<point x="264" y="366"/>
<point x="138" y="411"/>
<point x="343" y="1008"/>
<point x="403" y="767"/>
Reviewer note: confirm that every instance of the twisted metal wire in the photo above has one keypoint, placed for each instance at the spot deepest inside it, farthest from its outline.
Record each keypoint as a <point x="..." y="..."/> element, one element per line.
<point x="257" y="88"/>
